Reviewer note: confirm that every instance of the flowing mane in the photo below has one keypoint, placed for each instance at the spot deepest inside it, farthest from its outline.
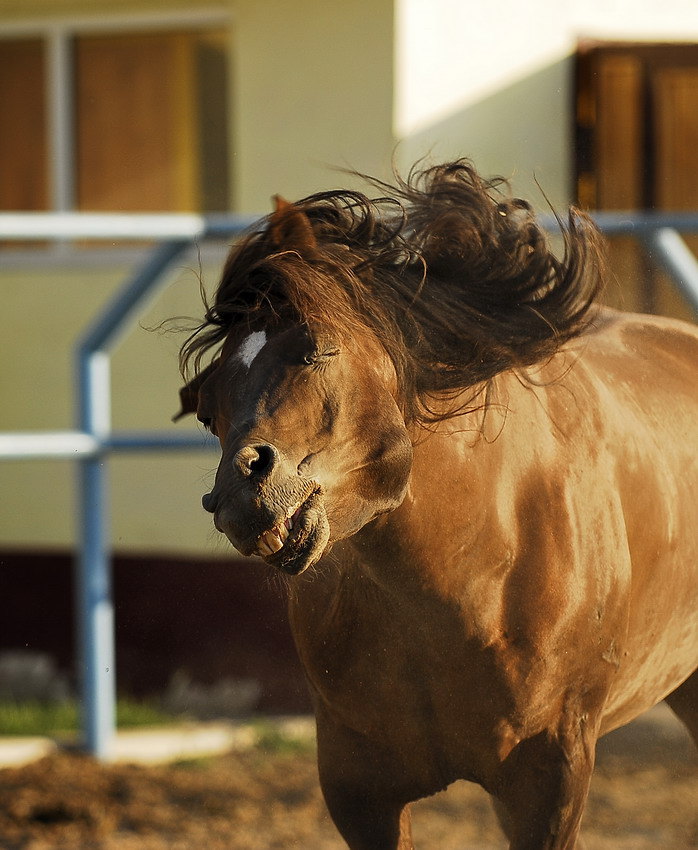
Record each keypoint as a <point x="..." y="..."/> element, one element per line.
<point x="455" y="279"/>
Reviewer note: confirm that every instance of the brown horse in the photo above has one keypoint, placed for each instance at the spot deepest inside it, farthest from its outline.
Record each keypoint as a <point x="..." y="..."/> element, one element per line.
<point x="483" y="485"/>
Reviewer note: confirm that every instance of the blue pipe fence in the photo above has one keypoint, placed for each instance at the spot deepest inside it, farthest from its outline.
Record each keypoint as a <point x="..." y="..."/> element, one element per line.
<point x="93" y="440"/>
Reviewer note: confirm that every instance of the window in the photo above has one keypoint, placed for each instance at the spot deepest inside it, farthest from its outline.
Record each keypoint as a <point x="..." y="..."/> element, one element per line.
<point x="140" y="124"/>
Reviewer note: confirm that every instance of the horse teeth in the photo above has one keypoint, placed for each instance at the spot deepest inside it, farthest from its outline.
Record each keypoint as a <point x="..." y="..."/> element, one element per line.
<point x="272" y="541"/>
<point x="263" y="547"/>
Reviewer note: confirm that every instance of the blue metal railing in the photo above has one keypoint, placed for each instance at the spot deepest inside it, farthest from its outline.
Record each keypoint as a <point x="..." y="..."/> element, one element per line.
<point x="94" y="597"/>
<point x="93" y="440"/>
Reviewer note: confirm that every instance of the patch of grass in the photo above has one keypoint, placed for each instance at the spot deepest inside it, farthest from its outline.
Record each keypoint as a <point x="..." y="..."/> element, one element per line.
<point x="130" y="714"/>
<point x="50" y="718"/>
<point x="37" y="718"/>
<point x="272" y="739"/>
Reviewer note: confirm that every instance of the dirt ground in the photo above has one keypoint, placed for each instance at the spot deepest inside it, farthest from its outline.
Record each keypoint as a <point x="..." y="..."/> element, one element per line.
<point x="644" y="795"/>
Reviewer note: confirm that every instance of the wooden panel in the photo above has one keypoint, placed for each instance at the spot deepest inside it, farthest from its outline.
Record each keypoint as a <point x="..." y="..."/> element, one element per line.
<point x="185" y="138"/>
<point x="23" y="134"/>
<point x="619" y="165"/>
<point x="639" y="104"/>
<point x="676" y="138"/>
<point x="619" y="117"/>
<point x="135" y="133"/>
<point x="212" y="100"/>
<point x="675" y="97"/>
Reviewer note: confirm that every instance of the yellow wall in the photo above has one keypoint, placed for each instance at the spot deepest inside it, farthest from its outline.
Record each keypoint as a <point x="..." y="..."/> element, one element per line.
<point x="521" y="132"/>
<point x="313" y="85"/>
<point x="24" y="10"/>
<point x="155" y="498"/>
<point x="312" y="89"/>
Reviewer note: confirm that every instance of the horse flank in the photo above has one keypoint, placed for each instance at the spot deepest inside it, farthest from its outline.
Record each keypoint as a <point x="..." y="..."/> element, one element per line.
<point x="455" y="279"/>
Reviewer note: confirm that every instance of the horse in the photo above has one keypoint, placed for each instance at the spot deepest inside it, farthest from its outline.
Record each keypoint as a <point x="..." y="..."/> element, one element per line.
<point x="477" y="482"/>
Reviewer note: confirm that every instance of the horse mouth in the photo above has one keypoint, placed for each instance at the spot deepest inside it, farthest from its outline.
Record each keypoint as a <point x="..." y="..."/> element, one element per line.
<point x="299" y="540"/>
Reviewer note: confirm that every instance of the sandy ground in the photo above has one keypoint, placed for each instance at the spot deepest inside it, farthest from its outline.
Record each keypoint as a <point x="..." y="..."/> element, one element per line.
<point x="644" y="797"/>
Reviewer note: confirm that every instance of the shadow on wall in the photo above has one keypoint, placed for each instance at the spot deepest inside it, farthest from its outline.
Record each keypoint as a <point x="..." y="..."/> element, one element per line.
<point x="522" y="132"/>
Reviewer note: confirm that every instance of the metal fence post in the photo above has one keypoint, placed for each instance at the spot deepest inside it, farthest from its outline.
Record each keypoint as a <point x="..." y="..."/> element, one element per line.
<point x="93" y="570"/>
<point x="668" y="250"/>
<point x="95" y="610"/>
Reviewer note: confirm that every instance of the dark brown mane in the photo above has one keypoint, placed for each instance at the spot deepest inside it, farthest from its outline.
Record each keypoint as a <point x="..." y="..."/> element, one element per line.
<point x="454" y="278"/>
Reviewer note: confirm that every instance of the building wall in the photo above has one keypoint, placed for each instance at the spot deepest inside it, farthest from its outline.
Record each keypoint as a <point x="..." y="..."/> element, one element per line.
<point x="493" y="81"/>
<point x="315" y="85"/>
<point x="19" y="11"/>
<point x="155" y="499"/>
<point x="312" y="89"/>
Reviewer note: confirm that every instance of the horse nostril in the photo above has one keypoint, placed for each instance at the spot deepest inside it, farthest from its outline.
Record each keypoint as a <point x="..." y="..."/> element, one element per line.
<point x="256" y="460"/>
<point x="209" y="502"/>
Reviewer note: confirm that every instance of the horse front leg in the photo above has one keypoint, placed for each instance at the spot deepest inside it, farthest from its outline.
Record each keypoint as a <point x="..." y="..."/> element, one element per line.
<point x="542" y="790"/>
<point x="504" y="821"/>
<point x="684" y="703"/>
<point x="366" y="821"/>
<point x="361" y="788"/>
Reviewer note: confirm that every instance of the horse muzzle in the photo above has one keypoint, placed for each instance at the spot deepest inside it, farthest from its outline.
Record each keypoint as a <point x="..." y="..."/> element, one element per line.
<point x="264" y="509"/>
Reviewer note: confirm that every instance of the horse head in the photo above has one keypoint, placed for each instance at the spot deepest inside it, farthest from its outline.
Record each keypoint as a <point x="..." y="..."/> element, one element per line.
<point x="313" y="442"/>
<point x="341" y="324"/>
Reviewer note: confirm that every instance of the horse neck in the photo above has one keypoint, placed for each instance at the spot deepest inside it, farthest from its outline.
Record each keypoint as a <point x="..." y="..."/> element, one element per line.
<point x="403" y="560"/>
<point x="455" y="475"/>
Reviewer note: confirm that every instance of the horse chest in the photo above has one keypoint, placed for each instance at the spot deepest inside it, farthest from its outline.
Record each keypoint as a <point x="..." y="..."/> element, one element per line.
<point x="414" y="678"/>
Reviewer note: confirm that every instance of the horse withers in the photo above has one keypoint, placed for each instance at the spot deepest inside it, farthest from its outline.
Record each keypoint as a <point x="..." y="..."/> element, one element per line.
<point x="481" y="485"/>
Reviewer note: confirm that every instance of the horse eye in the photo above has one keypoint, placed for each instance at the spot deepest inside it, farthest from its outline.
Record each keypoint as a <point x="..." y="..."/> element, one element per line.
<point x="315" y="358"/>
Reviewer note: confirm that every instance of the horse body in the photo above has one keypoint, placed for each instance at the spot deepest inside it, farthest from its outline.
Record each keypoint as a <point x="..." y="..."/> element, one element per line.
<point x="545" y="596"/>
<point x="476" y="598"/>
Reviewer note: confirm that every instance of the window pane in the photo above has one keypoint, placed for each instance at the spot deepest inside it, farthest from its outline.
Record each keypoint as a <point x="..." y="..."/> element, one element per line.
<point x="146" y="140"/>
<point x="23" y="142"/>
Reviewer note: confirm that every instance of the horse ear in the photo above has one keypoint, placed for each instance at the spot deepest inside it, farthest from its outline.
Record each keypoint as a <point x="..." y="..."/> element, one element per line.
<point x="290" y="228"/>
<point x="189" y="394"/>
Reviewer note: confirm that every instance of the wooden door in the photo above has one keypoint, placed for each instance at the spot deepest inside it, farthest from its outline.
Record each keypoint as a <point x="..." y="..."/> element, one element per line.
<point x="637" y="148"/>
<point x="675" y="98"/>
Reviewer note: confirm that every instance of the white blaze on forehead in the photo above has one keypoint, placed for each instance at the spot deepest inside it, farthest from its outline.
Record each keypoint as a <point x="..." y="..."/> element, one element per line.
<point x="251" y="347"/>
